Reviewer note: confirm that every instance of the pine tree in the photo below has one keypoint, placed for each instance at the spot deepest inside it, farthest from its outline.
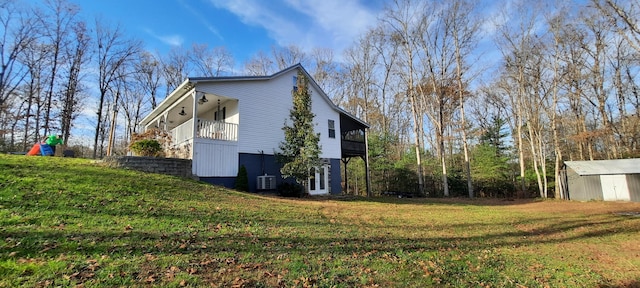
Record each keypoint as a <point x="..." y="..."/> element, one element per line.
<point x="242" y="180"/>
<point x="300" y="149"/>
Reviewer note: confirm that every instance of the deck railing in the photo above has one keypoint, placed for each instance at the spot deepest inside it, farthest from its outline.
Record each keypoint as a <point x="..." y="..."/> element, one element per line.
<point x="182" y="133"/>
<point x="217" y="130"/>
<point x="206" y="129"/>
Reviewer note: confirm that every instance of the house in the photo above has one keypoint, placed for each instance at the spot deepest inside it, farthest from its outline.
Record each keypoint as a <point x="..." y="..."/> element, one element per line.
<point x="608" y="180"/>
<point x="238" y="121"/>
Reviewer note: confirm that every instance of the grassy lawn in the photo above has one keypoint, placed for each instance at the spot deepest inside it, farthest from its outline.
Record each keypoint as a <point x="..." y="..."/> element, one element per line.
<point x="82" y="224"/>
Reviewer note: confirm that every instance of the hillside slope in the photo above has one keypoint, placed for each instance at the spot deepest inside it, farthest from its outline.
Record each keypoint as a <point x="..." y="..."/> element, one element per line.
<point x="66" y="222"/>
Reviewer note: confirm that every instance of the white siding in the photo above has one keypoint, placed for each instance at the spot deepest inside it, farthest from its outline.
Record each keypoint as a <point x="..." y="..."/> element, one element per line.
<point x="215" y="158"/>
<point x="324" y="113"/>
<point x="263" y="108"/>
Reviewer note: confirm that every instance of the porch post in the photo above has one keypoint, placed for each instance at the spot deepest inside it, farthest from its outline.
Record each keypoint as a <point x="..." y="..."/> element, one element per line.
<point x="194" y="130"/>
<point x="346" y="176"/>
<point x="164" y="121"/>
<point x="194" y="96"/>
<point x="366" y="162"/>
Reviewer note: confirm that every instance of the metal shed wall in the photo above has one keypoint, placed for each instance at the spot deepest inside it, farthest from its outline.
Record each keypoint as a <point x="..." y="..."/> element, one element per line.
<point x="609" y="180"/>
<point x="633" y="182"/>
<point x="583" y="188"/>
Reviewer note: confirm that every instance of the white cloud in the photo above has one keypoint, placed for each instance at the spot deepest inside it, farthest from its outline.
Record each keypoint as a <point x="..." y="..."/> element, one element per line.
<point x="203" y="20"/>
<point x="343" y="20"/>
<point x="308" y="24"/>
<point x="172" y="40"/>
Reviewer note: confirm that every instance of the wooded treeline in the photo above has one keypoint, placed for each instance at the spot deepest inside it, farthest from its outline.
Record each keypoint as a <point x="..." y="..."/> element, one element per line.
<point x="461" y="102"/>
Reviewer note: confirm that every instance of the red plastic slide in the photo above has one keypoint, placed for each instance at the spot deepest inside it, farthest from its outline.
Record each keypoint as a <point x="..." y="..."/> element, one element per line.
<point x="35" y="150"/>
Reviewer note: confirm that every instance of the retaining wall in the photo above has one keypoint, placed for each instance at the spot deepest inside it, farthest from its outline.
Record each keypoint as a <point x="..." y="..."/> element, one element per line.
<point x="169" y="166"/>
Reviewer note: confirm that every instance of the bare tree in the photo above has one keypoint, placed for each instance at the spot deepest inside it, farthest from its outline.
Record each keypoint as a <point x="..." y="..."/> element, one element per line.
<point x="597" y="53"/>
<point x="403" y="21"/>
<point x="624" y="15"/>
<point x="71" y="94"/>
<point x="288" y="56"/>
<point x="114" y="51"/>
<point x="259" y="65"/>
<point x="514" y="42"/>
<point x="148" y="76"/>
<point x="35" y="59"/>
<point x="464" y="29"/>
<point x="18" y="32"/>
<point x="63" y="17"/>
<point x="175" y="68"/>
<point x="132" y="103"/>
<point x="325" y="70"/>
<point x="211" y="62"/>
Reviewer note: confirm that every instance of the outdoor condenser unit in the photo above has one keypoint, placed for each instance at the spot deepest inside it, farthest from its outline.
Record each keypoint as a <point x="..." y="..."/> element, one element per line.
<point x="267" y="182"/>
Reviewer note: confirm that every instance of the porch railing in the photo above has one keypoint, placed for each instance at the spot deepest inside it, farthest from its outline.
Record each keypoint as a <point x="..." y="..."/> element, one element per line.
<point x="206" y="129"/>
<point x="182" y="133"/>
<point x="217" y="130"/>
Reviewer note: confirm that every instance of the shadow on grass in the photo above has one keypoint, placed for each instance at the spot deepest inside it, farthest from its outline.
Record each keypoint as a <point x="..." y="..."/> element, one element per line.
<point x="629" y="284"/>
<point x="227" y="234"/>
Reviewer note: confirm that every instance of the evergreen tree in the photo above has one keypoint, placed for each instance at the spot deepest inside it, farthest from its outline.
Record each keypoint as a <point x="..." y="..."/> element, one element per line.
<point x="494" y="135"/>
<point x="242" y="180"/>
<point x="300" y="149"/>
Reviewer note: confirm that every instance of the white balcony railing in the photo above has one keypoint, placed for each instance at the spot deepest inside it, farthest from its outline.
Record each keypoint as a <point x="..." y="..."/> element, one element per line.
<point x="206" y="129"/>
<point x="217" y="130"/>
<point x="182" y="133"/>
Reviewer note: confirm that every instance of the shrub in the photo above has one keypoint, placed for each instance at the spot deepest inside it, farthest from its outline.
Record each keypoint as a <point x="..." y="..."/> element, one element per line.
<point x="146" y="147"/>
<point x="160" y="136"/>
<point x="288" y="189"/>
<point x="242" y="180"/>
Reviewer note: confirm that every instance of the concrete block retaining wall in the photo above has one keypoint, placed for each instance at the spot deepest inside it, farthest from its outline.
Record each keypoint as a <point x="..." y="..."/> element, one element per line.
<point x="168" y="166"/>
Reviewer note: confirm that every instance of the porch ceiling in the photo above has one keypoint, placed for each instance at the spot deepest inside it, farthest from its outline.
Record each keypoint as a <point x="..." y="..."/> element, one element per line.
<point x="171" y="109"/>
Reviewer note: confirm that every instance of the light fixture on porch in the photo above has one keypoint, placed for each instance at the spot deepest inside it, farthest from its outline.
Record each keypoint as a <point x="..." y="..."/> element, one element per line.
<point x="203" y="100"/>
<point x="182" y="113"/>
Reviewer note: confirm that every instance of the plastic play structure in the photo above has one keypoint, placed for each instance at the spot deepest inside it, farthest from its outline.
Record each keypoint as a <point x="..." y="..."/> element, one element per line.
<point x="40" y="149"/>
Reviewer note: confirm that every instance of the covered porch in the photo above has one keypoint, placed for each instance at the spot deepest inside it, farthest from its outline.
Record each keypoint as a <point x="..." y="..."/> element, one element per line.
<point x="202" y="127"/>
<point x="353" y="143"/>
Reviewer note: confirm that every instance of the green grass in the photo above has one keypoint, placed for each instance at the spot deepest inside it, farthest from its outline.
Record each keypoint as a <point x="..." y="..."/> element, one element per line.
<point x="82" y="224"/>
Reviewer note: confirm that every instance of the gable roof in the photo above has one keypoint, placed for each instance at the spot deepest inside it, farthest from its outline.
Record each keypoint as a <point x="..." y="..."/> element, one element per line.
<point x="605" y="167"/>
<point x="192" y="81"/>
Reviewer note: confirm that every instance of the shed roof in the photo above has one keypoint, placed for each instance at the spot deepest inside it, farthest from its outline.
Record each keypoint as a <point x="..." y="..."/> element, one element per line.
<point x="605" y="167"/>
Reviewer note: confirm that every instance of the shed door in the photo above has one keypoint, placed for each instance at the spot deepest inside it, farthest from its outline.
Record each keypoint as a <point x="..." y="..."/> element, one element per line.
<point x="614" y="188"/>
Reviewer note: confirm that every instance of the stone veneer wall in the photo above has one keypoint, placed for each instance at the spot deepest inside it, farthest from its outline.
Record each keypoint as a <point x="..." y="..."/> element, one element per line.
<point x="169" y="166"/>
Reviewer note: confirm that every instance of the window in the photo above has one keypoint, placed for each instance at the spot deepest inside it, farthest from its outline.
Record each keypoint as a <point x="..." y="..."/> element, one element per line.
<point x="220" y="116"/>
<point x="295" y="83"/>
<point x="332" y="129"/>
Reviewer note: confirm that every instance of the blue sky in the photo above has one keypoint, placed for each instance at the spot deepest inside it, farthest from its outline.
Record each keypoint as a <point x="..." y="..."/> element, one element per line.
<point x="244" y="27"/>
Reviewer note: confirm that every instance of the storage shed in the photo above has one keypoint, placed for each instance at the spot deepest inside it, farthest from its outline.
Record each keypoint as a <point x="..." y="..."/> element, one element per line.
<point x="608" y="180"/>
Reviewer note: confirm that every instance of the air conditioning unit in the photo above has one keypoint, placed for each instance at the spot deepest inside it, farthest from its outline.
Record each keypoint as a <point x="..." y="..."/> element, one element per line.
<point x="267" y="182"/>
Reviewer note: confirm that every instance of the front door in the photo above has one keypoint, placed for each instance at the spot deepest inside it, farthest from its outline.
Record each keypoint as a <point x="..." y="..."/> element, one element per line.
<point x="319" y="180"/>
